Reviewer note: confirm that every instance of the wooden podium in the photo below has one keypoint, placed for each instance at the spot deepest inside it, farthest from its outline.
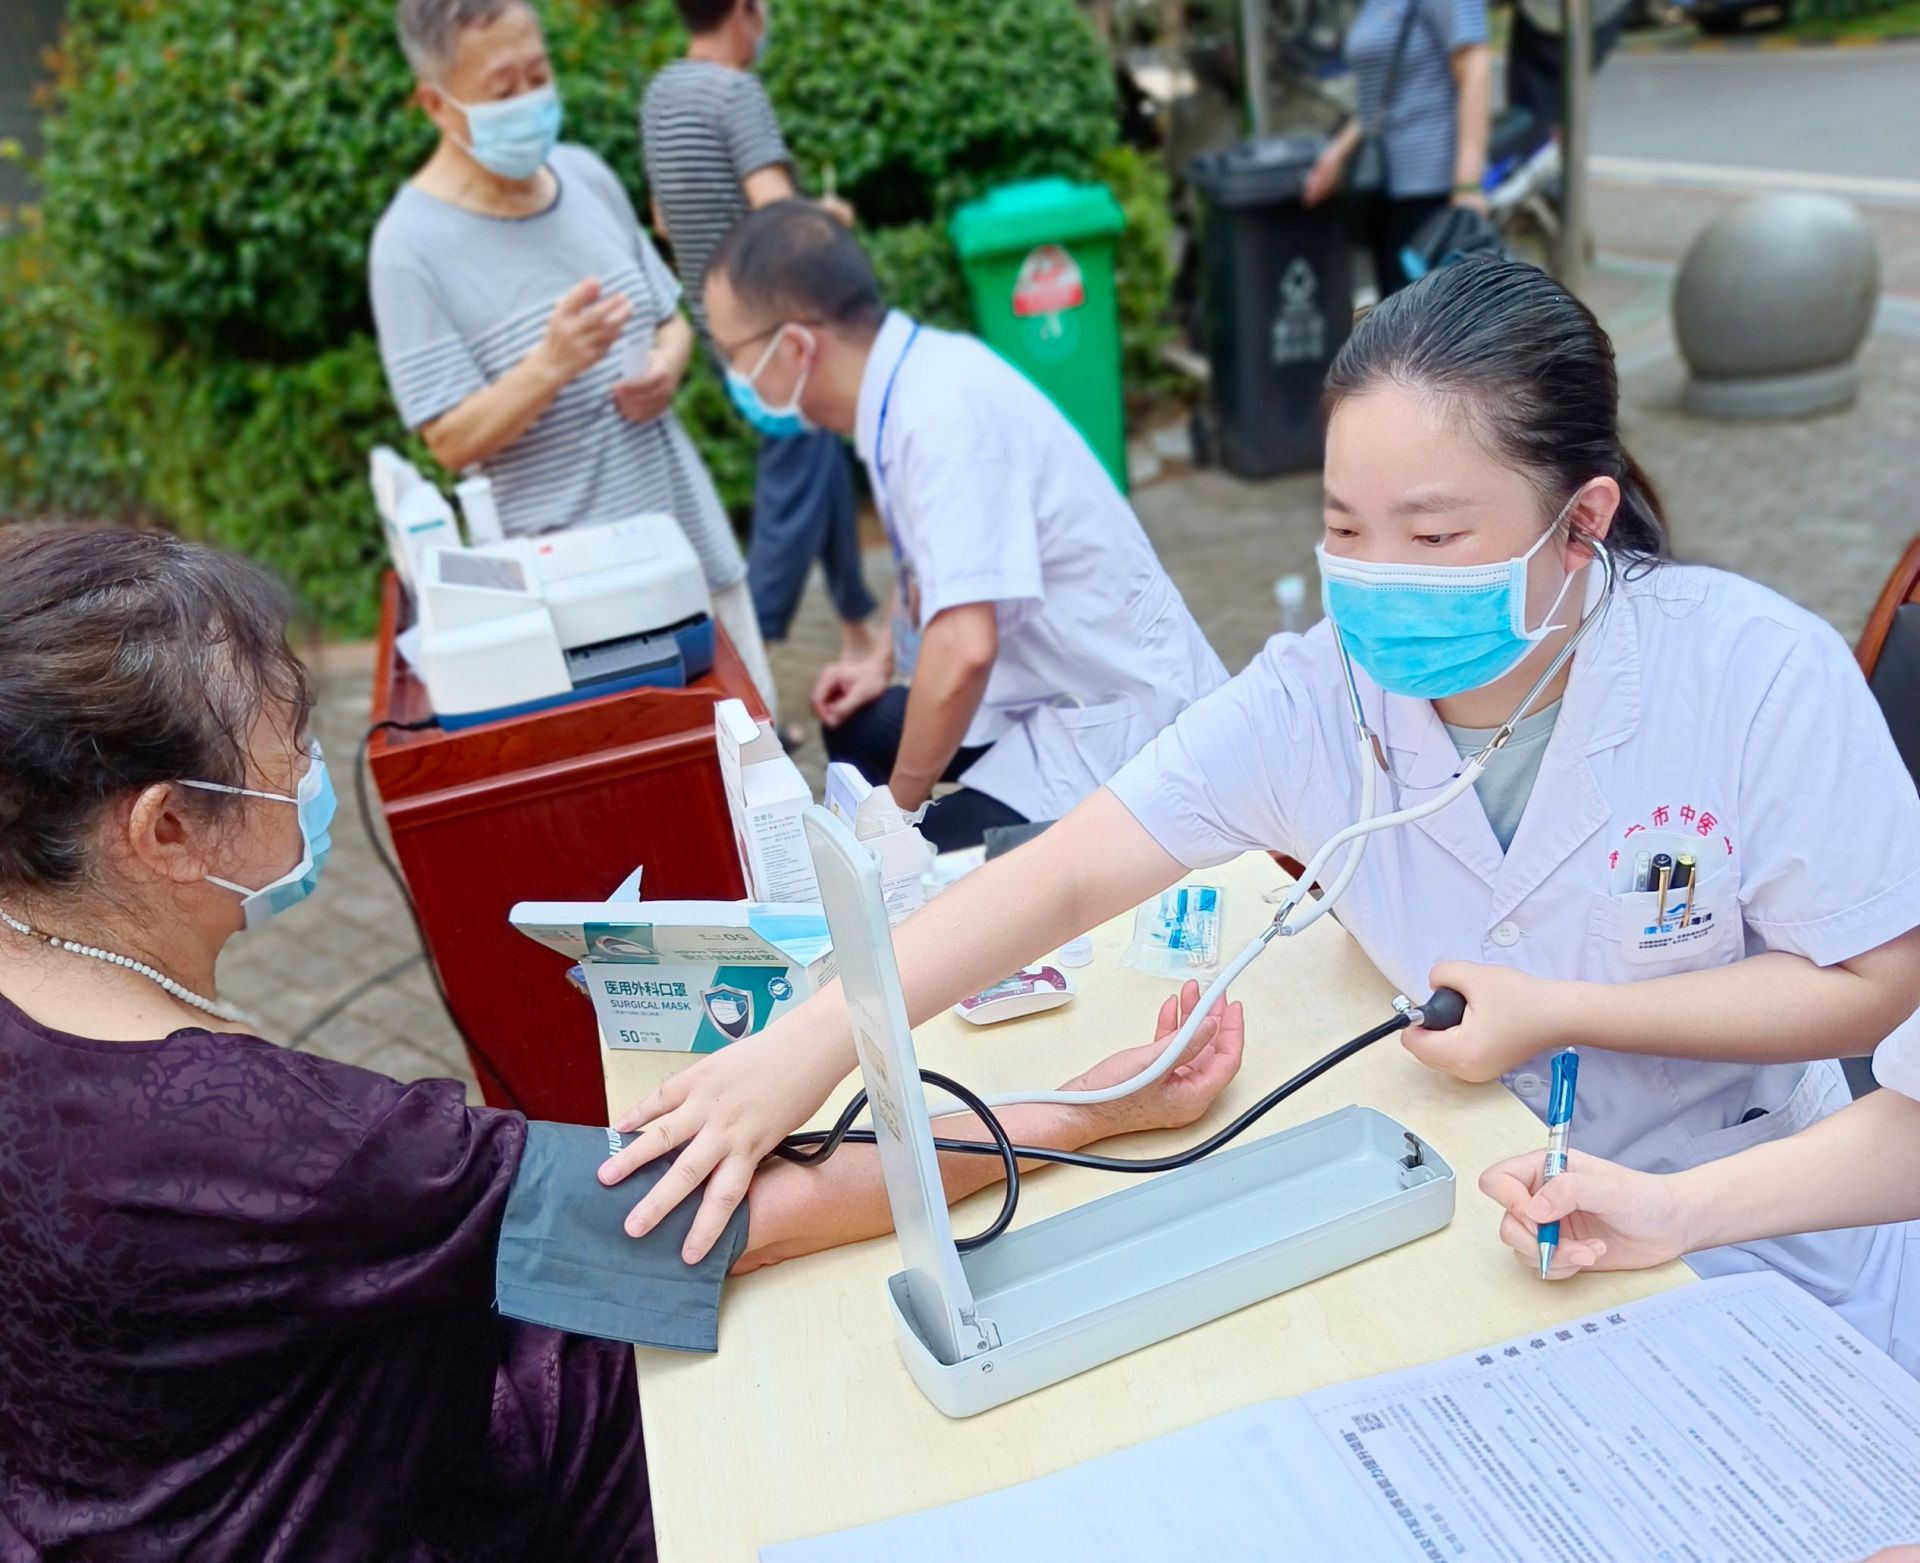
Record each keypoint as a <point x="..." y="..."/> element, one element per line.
<point x="558" y="805"/>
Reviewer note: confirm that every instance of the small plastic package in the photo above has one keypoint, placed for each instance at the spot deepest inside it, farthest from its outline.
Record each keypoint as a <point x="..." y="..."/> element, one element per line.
<point x="1177" y="933"/>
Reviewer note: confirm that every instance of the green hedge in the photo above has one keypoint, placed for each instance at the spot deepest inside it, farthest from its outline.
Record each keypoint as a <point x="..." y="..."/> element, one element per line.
<point x="189" y="338"/>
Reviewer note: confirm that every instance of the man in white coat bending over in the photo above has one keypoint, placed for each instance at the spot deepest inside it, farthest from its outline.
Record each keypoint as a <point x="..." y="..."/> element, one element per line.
<point x="1042" y="640"/>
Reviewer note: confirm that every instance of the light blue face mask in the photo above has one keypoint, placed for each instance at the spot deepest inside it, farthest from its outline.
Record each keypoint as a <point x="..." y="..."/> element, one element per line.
<point x="316" y="803"/>
<point x="1431" y="631"/>
<point x="745" y="391"/>
<point x="514" y="137"/>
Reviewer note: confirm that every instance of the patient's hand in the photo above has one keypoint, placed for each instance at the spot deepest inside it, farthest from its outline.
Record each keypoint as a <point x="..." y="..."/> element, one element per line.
<point x="794" y="1210"/>
<point x="1186" y="1091"/>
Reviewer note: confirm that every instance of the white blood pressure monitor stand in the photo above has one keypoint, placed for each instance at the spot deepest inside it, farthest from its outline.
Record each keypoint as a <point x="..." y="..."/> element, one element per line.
<point x="1161" y="1255"/>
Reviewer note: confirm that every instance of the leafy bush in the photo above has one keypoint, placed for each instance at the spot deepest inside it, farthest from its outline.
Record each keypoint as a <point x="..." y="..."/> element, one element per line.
<point x="216" y="168"/>
<point x="271" y="460"/>
<point x="920" y="105"/>
<point x="62" y="449"/>
<point x="190" y="338"/>
<point x="1143" y="263"/>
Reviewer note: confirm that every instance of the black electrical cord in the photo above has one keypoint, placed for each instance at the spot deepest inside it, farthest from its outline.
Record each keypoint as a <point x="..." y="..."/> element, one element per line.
<point x="999" y="1145"/>
<point x="479" y="1053"/>
<point x="1442" y="1012"/>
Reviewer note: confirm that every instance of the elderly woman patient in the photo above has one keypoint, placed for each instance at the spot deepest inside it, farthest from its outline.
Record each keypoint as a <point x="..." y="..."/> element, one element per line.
<point x="257" y="1305"/>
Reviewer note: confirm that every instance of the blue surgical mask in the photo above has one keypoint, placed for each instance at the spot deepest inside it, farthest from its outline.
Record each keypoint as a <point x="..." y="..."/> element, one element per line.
<point x="1431" y="631"/>
<point x="766" y="32"/>
<point x="316" y="803"/>
<point x="514" y="137"/>
<point x="745" y="391"/>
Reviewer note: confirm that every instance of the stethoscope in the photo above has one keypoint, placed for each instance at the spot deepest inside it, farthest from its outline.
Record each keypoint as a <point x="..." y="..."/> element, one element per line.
<point x="1296" y="911"/>
<point x="1444" y="1010"/>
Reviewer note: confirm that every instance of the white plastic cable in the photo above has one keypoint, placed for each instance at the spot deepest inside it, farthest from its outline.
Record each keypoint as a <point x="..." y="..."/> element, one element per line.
<point x="1361" y="828"/>
<point x="1177" y="1044"/>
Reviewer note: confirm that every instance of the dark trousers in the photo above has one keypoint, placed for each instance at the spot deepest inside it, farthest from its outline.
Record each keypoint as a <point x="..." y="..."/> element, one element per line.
<point x="803" y="511"/>
<point x="870" y="740"/>
<point x="1533" y="66"/>
<point x="1400" y="219"/>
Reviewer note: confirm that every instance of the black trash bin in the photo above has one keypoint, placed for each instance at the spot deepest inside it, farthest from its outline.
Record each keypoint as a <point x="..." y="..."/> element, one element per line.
<point x="1276" y="302"/>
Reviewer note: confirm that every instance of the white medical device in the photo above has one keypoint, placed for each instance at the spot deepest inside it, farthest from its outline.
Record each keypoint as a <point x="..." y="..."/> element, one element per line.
<point x="530" y="622"/>
<point x="414" y="515"/>
<point x="1092" y="1283"/>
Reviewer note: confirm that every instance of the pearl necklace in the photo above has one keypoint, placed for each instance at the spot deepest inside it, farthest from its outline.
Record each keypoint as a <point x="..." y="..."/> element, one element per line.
<point x="183" y="994"/>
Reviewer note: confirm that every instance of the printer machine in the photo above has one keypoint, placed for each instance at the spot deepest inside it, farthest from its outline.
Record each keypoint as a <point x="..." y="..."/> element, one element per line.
<point x="512" y="625"/>
<point x="531" y="622"/>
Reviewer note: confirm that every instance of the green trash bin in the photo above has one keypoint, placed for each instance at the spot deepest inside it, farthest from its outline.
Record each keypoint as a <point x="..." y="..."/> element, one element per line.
<point x="1038" y="258"/>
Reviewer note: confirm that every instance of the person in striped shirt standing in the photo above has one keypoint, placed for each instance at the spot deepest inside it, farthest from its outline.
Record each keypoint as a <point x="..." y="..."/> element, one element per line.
<point x="528" y="328"/>
<point x="713" y="152"/>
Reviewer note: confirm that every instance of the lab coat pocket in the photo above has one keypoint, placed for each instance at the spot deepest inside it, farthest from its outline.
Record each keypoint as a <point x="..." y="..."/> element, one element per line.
<point x="1820" y="1091"/>
<point x="1079" y="747"/>
<point x="1653" y="931"/>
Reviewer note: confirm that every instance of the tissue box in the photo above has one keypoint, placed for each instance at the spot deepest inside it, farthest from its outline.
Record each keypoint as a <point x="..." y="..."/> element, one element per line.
<point x="686" y="976"/>
<point x="766" y="795"/>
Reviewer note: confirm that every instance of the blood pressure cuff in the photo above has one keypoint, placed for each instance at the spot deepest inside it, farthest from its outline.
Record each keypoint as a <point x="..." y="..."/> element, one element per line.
<point x="565" y="1260"/>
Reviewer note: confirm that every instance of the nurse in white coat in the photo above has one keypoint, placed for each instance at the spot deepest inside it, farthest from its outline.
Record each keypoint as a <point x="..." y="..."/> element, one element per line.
<point x="1473" y="459"/>
<point x="1044" y="640"/>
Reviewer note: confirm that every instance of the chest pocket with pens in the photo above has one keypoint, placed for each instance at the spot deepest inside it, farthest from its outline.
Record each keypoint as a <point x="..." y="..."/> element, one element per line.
<point x="1669" y="901"/>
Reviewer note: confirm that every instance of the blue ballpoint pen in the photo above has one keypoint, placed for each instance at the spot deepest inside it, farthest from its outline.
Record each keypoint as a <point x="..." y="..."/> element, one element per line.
<point x="1566" y="1072"/>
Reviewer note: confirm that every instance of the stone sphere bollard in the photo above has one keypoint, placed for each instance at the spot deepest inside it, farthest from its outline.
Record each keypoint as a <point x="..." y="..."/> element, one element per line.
<point x="1772" y="303"/>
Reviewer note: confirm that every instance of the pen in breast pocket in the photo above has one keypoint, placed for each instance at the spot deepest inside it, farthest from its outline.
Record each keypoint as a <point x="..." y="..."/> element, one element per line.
<point x="1686" y="873"/>
<point x="1566" y="1074"/>
<point x="1642" y="871"/>
<point x="1662" y="882"/>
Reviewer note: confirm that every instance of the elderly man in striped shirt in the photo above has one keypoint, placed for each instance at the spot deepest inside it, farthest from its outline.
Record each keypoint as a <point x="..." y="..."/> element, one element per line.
<point x="714" y="151"/>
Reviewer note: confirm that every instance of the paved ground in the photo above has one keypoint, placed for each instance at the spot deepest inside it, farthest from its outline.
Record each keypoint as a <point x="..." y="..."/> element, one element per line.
<point x="1837" y="112"/>
<point x="1817" y="510"/>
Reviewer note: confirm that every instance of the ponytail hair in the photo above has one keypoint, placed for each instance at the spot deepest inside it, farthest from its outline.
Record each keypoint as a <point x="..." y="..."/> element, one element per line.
<point x="1531" y="368"/>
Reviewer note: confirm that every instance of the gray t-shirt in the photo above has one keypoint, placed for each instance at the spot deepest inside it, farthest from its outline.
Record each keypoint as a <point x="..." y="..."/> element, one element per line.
<point x="1511" y="773"/>
<point x="460" y="298"/>
<point x="705" y="128"/>
<point x="1422" y="123"/>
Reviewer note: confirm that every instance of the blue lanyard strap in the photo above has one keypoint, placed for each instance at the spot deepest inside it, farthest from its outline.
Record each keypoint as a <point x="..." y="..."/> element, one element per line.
<point x="880" y="442"/>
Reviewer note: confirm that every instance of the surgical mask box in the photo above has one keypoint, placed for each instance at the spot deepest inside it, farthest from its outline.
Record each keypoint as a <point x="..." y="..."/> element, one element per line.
<point x="878" y="824"/>
<point x="766" y="795"/>
<point x="686" y="976"/>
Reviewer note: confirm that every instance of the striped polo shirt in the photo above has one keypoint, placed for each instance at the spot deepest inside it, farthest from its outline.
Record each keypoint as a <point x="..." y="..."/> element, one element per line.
<point x="1422" y="122"/>
<point x="460" y="298"/>
<point x="705" y="128"/>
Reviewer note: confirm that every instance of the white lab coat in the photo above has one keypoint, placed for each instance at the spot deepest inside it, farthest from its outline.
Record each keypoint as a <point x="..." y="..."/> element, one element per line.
<point x="991" y="496"/>
<point x="1896" y="1063"/>
<point x="1706" y="712"/>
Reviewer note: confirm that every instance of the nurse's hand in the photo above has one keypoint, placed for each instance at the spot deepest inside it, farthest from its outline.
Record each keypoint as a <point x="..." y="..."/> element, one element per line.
<point x="1611" y="1218"/>
<point x="723" y="1114"/>
<point x="1509" y="1019"/>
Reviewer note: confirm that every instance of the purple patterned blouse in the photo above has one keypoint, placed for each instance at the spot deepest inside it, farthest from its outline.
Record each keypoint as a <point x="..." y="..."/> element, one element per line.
<point x="246" y="1313"/>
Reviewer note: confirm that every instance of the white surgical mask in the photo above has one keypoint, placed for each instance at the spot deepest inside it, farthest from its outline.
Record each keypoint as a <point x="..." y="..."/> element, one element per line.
<point x="514" y="137"/>
<point x="316" y="803"/>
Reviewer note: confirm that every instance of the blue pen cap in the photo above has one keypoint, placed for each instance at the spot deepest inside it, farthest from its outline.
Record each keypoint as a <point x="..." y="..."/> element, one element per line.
<point x="1566" y="1071"/>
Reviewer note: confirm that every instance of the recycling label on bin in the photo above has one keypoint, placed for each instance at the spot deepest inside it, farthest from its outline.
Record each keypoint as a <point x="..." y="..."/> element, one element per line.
<point x="1049" y="283"/>
<point x="1299" y="329"/>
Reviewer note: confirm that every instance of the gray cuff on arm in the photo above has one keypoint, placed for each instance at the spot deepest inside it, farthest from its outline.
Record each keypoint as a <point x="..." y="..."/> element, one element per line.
<point x="566" y="1262"/>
